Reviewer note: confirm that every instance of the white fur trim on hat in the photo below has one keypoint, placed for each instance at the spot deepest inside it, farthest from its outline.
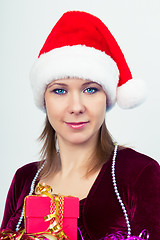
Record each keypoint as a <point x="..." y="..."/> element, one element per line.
<point x="131" y="94"/>
<point x="74" y="61"/>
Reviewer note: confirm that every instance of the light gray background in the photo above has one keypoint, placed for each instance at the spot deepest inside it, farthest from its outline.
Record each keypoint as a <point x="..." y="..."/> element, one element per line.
<point x="24" y="26"/>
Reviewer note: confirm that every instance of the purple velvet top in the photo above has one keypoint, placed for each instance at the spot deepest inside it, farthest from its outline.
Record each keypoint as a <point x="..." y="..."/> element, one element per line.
<point x="138" y="179"/>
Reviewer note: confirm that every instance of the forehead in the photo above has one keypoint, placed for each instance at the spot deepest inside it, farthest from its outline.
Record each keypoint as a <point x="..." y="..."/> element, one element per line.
<point x="68" y="81"/>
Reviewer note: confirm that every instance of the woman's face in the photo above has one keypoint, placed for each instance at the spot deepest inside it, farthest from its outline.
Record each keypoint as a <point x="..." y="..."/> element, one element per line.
<point x="76" y="109"/>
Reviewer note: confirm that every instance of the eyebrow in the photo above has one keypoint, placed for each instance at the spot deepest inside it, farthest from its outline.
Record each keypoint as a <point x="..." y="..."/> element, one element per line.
<point x="90" y="82"/>
<point x="61" y="84"/>
<point x="65" y="85"/>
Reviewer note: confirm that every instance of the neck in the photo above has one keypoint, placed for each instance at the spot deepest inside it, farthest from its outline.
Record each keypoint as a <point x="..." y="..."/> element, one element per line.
<point x="75" y="157"/>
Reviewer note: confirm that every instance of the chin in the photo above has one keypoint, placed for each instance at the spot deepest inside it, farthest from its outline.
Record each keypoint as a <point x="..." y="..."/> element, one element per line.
<point x="78" y="141"/>
<point x="81" y="140"/>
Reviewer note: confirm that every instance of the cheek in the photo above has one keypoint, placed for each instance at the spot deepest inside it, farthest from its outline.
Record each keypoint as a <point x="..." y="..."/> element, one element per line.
<point x="54" y="119"/>
<point x="101" y="103"/>
<point x="52" y="112"/>
<point x="99" y="110"/>
<point x="50" y="104"/>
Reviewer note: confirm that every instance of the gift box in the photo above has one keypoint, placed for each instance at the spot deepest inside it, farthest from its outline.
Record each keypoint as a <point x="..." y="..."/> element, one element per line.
<point x="43" y="213"/>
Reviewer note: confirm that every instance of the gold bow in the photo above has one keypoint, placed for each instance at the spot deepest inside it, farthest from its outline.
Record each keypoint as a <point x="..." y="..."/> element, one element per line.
<point x="55" y="227"/>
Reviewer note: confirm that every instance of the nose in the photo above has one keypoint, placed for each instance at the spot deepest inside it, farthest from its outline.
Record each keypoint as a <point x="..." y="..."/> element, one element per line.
<point x="76" y="104"/>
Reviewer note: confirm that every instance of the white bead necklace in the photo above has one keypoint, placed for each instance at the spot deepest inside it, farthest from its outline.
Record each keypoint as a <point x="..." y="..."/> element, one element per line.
<point x="114" y="186"/>
<point x="117" y="192"/>
<point x="30" y="193"/>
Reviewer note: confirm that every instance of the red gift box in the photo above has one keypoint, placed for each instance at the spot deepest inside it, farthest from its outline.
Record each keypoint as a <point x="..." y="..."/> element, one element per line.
<point x="37" y="207"/>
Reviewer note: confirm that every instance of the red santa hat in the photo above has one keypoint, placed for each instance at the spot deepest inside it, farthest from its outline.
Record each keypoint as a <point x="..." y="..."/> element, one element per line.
<point x="81" y="46"/>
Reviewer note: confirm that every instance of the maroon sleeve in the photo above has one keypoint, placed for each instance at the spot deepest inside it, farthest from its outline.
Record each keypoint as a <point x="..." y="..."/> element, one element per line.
<point x="10" y="205"/>
<point x="18" y="190"/>
<point x="147" y="189"/>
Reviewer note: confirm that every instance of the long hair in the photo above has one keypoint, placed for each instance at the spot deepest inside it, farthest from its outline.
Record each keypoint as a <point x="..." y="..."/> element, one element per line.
<point x="48" y="152"/>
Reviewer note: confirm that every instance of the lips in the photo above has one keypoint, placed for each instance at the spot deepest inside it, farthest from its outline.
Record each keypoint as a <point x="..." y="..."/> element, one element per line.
<point x="77" y="125"/>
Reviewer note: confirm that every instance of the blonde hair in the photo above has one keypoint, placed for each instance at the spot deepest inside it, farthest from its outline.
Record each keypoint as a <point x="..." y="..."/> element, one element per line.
<point x="48" y="151"/>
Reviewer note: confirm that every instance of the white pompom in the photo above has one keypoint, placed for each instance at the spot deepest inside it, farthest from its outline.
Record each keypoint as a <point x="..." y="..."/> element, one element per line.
<point x="131" y="94"/>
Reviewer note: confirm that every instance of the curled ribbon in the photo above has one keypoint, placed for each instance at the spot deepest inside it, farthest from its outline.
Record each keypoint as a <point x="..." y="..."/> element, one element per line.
<point x="54" y="230"/>
<point x="21" y="235"/>
<point x="144" y="235"/>
<point x="54" y="227"/>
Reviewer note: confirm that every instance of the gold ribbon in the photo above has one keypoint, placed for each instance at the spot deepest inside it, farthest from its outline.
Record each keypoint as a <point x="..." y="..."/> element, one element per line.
<point x="54" y="227"/>
<point x="54" y="230"/>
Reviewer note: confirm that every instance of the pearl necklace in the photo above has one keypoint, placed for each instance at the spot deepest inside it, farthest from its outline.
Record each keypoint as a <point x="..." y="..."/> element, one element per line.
<point x="30" y="193"/>
<point x="114" y="186"/>
<point x="117" y="192"/>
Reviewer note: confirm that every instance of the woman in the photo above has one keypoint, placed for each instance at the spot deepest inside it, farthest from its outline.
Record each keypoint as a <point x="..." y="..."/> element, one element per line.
<point x="79" y="74"/>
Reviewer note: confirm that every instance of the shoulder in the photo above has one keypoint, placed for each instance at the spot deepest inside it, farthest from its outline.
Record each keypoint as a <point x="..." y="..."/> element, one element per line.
<point x="25" y="174"/>
<point x="27" y="170"/>
<point x="132" y="163"/>
<point x="131" y="157"/>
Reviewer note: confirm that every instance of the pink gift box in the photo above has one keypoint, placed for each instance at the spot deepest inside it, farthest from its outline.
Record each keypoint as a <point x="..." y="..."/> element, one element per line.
<point x="37" y="207"/>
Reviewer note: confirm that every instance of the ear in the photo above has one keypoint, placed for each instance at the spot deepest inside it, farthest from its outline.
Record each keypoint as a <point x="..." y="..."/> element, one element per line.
<point x="44" y="103"/>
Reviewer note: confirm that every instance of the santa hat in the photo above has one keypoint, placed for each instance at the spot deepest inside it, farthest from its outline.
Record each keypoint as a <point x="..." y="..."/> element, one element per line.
<point x="81" y="46"/>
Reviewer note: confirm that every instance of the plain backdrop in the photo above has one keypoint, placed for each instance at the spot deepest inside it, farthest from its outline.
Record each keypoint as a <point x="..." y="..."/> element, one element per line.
<point x="24" y="26"/>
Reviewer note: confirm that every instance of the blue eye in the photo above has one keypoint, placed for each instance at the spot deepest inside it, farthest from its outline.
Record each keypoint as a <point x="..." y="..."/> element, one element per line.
<point x="59" y="91"/>
<point x="91" y="90"/>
